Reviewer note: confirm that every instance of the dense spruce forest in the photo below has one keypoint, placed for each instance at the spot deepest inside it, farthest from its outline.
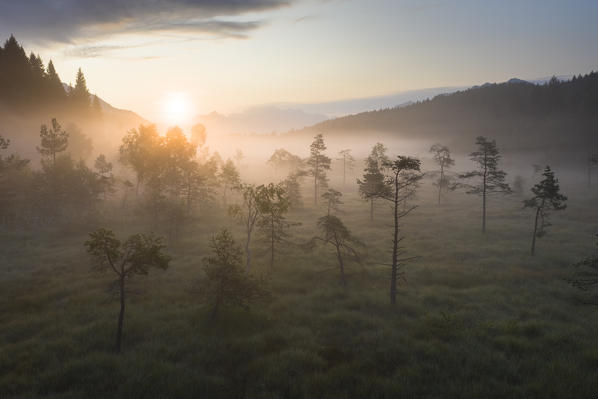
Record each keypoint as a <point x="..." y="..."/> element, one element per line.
<point x="154" y="266"/>
<point x="523" y="115"/>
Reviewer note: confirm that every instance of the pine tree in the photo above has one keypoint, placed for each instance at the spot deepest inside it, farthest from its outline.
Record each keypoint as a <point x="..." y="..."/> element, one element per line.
<point x="348" y="163"/>
<point x="403" y="180"/>
<point x="79" y="95"/>
<point x="547" y="197"/>
<point x="55" y="90"/>
<point x="273" y="204"/>
<point x="492" y="179"/>
<point x="335" y="233"/>
<point x="442" y="157"/>
<point x="226" y="283"/>
<point x="333" y="200"/>
<point x="373" y="186"/>
<point x="53" y="140"/>
<point x="319" y="163"/>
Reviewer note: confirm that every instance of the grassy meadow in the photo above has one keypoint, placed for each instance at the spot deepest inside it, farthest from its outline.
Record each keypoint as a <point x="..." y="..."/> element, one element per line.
<point x="476" y="316"/>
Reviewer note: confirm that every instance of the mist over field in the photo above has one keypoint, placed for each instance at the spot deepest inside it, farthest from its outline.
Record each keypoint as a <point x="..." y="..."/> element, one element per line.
<point x="298" y="199"/>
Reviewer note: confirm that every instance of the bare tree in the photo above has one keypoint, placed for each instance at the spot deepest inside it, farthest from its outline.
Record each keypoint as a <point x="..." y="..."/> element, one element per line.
<point x="492" y="179"/>
<point x="135" y="256"/>
<point x="547" y="197"/>
<point x="404" y="177"/>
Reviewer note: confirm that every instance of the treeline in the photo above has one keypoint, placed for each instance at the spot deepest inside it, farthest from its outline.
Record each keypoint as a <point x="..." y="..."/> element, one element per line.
<point x="27" y="83"/>
<point x="518" y="113"/>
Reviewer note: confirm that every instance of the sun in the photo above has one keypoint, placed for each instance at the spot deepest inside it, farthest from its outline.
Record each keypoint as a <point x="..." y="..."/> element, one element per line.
<point x="177" y="108"/>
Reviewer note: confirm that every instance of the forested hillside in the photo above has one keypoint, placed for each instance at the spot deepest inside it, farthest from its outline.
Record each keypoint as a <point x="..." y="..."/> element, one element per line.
<point x="32" y="93"/>
<point x="517" y="113"/>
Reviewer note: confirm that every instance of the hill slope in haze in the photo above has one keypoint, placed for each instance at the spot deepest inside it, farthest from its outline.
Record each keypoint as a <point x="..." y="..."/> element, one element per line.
<point x="32" y="93"/>
<point x="518" y="114"/>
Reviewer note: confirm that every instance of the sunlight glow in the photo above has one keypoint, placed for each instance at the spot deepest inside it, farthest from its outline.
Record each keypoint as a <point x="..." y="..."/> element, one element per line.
<point x="177" y="109"/>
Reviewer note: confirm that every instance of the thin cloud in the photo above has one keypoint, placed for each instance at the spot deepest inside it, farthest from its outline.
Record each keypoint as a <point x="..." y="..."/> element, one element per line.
<point x="69" y="21"/>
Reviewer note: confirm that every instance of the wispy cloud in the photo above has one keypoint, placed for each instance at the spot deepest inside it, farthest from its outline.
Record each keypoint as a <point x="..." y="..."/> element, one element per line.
<point x="71" y="21"/>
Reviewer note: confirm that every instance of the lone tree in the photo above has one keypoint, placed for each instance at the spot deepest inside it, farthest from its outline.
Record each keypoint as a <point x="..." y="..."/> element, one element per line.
<point x="136" y="256"/>
<point x="53" y="140"/>
<point x="226" y="283"/>
<point x="104" y="170"/>
<point x="282" y="159"/>
<point x="492" y="178"/>
<point x="333" y="200"/>
<point x="547" y="197"/>
<point x="248" y="215"/>
<point x="318" y="163"/>
<point x="404" y="178"/>
<point x="442" y="157"/>
<point x="336" y="234"/>
<point x="229" y="177"/>
<point x="373" y="185"/>
<point x="348" y="163"/>
<point x="273" y="204"/>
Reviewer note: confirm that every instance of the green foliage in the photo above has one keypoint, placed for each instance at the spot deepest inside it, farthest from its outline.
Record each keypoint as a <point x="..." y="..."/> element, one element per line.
<point x="333" y="200"/>
<point x="226" y="283"/>
<point x="273" y="204"/>
<point x="318" y="164"/>
<point x="442" y="157"/>
<point x="53" y="140"/>
<point x="547" y="197"/>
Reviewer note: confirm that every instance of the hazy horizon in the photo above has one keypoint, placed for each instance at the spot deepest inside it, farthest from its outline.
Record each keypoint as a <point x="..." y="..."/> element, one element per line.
<point x="231" y="56"/>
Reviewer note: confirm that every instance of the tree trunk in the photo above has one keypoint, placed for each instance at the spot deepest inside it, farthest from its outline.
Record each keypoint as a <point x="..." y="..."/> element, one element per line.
<point x="395" y="246"/>
<point x="440" y="183"/>
<point x="316" y="173"/>
<point x="341" y="264"/>
<point x="247" y="252"/>
<point x="372" y="209"/>
<point x="484" y="197"/>
<point x="271" y="243"/>
<point x="535" y="231"/>
<point x="121" y="316"/>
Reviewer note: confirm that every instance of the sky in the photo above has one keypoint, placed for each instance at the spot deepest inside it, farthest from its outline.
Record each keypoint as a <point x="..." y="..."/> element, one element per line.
<point x="171" y="59"/>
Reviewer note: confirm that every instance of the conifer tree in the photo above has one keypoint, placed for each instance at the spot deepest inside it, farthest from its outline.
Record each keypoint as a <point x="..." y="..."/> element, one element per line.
<point x="335" y="233"/>
<point x="492" y="179"/>
<point x="402" y="182"/>
<point x="79" y="95"/>
<point x="53" y="140"/>
<point x="373" y="185"/>
<point x="229" y="178"/>
<point x="55" y="89"/>
<point x="333" y="200"/>
<point x="442" y="157"/>
<point x="348" y="163"/>
<point x="226" y="283"/>
<point x="319" y="163"/>
<point x="273" y="204"/>
<point x="547" y="197"/>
